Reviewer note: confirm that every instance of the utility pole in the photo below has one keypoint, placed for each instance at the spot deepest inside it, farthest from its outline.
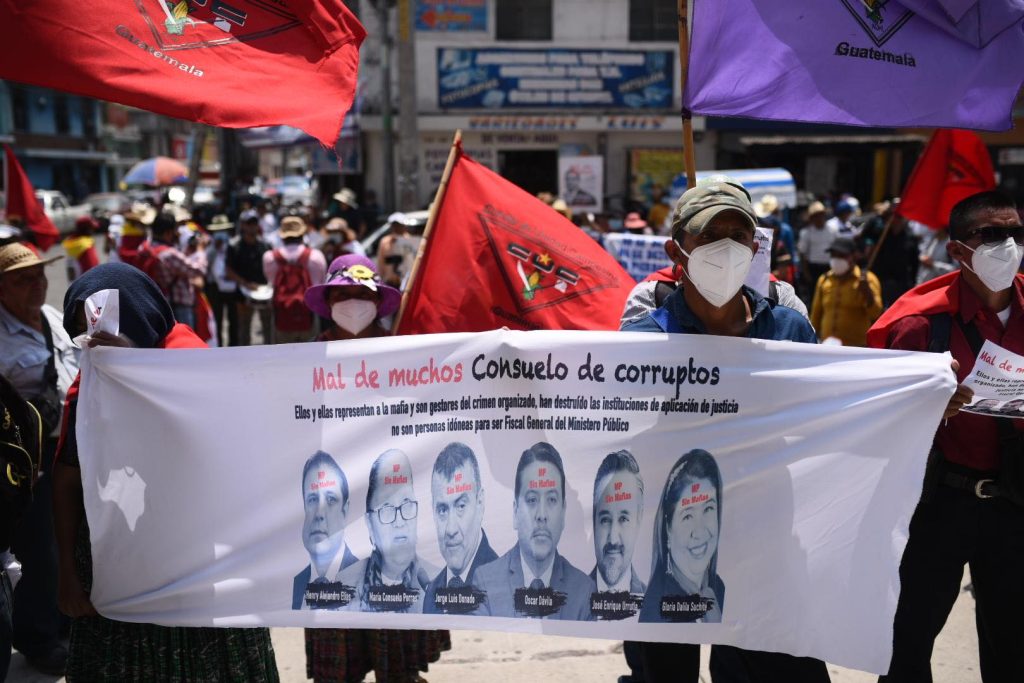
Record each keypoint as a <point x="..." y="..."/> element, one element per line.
<point x="408" y="131"/>
<point x="383" y="8"/>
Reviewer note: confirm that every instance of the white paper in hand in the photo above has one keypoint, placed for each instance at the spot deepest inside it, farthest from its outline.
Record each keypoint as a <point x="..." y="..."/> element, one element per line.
<point x="102" y="314"/>
<point x="998" y="382"/>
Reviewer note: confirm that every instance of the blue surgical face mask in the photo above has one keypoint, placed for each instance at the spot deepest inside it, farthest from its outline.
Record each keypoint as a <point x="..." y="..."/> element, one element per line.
<point x="615" y="224"/>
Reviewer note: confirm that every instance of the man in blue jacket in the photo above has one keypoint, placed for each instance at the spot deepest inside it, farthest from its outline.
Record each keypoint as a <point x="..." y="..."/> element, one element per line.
<point x="712" y="242"/>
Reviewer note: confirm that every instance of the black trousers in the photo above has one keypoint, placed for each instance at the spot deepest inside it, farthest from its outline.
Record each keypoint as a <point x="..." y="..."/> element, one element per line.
<point x="37" y="621"/>
<point x="676" y="663"/>
<point x="950" y="529"/>
<point x="6" y="628"/>
<point x="224" y="307"/>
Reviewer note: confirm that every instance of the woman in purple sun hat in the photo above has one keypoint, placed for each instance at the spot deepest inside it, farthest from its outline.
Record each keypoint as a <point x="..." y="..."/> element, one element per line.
<point x="354" y="298"/>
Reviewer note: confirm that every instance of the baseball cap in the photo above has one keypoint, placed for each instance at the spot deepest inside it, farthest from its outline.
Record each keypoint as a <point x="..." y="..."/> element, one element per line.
<point x="710" y="197"/>
<point x="843" y="246"/>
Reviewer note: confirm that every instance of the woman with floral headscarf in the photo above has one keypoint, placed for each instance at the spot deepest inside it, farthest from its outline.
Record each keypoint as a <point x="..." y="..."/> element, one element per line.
<point x="355" y="299"/>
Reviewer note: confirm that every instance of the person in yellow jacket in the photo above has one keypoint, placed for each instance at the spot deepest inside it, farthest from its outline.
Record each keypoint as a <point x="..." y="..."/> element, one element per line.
<point x="846" y="300"/>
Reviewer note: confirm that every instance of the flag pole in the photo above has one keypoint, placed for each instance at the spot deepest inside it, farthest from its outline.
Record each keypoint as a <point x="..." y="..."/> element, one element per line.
<point x="881" y="240"/>
<point x="689" y="159"/>
<point x="435" y="207"/>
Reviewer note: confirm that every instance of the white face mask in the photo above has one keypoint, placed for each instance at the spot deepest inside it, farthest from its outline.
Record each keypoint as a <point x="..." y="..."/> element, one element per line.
<point x="354" y="315"/>
<point x="839" y="266"/>
<point x="996" y="264"/>
<point x="718" y="270"/>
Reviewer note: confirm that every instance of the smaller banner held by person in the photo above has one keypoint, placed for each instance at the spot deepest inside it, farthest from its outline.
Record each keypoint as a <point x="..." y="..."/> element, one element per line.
<point x="413" y="482"/>
<point x="954" y="165"/>
<point x="22" y="205"/>
<point x="496" y="256"/>
<point x="998" y="382"/>
<point x="239" y="64"/>
<point x="856" y="62"/>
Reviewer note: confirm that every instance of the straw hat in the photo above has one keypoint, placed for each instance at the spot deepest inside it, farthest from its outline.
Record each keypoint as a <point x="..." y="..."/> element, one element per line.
<point x="346" y="196"/>
<point x="17" y="256"/>
<point x="292" y="227"/>
<point x="219" y="222"/>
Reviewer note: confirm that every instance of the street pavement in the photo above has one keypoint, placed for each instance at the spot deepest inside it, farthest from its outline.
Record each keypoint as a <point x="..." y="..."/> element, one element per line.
<point x="490" y="656"/>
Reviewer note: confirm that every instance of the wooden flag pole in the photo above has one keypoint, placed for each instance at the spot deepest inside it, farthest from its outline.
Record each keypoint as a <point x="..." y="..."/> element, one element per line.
<point x="881" y="240"/>
<point x="689" y="159"/>
<point x="435" y="207"/>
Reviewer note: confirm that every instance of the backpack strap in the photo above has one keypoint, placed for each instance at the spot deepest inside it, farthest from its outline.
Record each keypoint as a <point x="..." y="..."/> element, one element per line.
<point x="939" y="326"/>
<point x="661" y="292"/>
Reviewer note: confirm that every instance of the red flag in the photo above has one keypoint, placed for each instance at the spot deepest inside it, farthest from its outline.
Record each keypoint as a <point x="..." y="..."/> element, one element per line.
<point x="954" y="165"/>
<point x="232" y="63"/>
<point x="500" y="257"/>
<point x="23" y="205"/>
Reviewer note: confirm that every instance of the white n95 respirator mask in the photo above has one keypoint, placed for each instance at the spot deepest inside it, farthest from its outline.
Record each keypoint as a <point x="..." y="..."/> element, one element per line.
<point x="719" y="269"/>
<point x="996" y="264"/>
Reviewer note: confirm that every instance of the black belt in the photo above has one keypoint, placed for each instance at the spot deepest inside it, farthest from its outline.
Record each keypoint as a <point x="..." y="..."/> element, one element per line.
<point x="980" y="486"/>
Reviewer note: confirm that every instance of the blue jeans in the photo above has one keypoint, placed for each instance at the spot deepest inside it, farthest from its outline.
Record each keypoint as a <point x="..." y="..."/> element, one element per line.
<point x="185" y="314"/>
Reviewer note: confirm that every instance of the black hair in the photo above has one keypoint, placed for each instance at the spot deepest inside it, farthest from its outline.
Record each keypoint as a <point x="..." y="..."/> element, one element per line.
<point x="966" y="210"/>
<point x="322" y="459"/>
<point x="692" y="466"/>
<point x="619" y="461"/>
<point x="540" y="452"/>
<point x="454" y="456"/>
<point x="163" y="223"/>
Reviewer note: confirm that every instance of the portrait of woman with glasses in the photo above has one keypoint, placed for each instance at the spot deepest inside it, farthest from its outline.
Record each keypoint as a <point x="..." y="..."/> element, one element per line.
<point x="392" y="578"/>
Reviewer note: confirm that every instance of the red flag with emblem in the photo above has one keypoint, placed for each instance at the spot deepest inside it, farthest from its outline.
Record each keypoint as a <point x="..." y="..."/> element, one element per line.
<point x="23" y="207"/>
<point x="499" y="257"/>
<point x="954" y="165"/>
<point x="232" y="63"/>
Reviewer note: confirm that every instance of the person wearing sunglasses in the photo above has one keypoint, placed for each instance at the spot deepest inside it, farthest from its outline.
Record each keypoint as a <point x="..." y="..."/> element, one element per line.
<point x="974" y="482"/>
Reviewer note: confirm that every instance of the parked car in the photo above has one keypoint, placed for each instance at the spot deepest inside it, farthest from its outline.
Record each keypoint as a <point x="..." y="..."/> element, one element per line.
<point x="293" y="189"/>
<point x="60" y="210"/>
<point x="103" y="205"/>
<point x="417" y="221"/>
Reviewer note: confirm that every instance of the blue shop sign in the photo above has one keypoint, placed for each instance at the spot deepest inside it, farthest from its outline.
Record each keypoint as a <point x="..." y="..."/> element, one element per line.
<point x="564" y="79"/>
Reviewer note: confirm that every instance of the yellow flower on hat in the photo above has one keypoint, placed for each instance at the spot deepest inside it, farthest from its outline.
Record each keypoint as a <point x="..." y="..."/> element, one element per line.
<point x="363" y="275"/>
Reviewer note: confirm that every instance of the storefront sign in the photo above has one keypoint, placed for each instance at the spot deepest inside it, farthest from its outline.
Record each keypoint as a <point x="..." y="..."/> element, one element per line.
<point x="588" y="79"/>
<point x="451" y="15"/>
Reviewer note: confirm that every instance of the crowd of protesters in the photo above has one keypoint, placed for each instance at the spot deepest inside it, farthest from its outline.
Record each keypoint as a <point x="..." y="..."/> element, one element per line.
<point x="304" y="277"/>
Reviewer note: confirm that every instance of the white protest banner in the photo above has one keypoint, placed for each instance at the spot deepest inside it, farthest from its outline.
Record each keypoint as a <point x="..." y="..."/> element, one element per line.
<point x="998" y="382"/>
<point x="642" y="255"/>
<point x="639" y="255"/>
<point x="757" y="493"/>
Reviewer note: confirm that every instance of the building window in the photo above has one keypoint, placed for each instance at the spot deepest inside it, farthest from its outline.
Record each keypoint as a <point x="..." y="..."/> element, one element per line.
<point x="19" y="107"/>
<point x="523" y="20"/>
<point x="653" y="20"/>
<point x="60" y="112"/>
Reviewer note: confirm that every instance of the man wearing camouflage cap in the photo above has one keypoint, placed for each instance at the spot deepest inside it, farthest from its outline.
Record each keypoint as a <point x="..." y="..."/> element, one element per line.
<point x="712" y="243"/>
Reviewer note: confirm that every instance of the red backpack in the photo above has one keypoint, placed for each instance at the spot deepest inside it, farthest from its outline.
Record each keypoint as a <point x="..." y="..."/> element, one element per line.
<point x="290" y="285"/>
<point x="148" y="261"/>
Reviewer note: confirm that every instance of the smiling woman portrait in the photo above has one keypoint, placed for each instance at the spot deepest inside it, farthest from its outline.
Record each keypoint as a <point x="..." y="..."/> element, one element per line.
<point x="684" y="585"/>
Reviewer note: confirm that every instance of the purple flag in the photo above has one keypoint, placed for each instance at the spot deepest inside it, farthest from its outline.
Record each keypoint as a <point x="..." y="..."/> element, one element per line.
<point x="970" y="20"/>
<point x="857" y="62"/>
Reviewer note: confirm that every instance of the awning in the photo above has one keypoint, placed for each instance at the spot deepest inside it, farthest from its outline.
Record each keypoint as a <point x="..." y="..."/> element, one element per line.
<point x="866" y="139"/>
<point x="70" y="154"/>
